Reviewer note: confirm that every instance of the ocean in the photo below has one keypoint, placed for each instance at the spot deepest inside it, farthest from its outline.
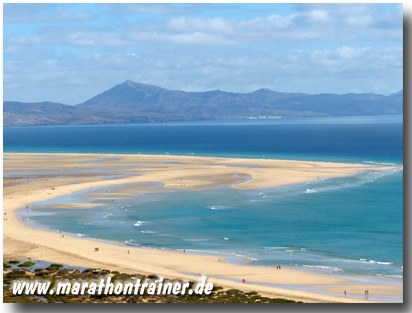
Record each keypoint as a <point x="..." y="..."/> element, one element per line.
<point x="345" y="226"/>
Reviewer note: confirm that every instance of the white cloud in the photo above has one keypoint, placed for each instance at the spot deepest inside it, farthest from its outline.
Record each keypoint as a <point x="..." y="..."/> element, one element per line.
<point x="337" y="70"/>
<point x="316" y="48"/>
<point x="60" y="16"/>
<point x="342" y="24"/>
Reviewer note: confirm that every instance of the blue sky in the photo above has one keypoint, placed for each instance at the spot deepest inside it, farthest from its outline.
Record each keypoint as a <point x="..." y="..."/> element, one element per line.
<point x="68" y="53"/>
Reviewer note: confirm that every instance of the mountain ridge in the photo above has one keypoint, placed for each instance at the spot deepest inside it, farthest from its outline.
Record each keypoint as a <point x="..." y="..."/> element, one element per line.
<point x="133" y="102"/>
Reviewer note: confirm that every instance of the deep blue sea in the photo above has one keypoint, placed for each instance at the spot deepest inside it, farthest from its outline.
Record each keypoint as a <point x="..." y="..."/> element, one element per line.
<point x="349" y="225"/>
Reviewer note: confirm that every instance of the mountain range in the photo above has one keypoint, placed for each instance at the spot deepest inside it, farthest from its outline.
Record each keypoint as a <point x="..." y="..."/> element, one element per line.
<point x="132" y="102"/>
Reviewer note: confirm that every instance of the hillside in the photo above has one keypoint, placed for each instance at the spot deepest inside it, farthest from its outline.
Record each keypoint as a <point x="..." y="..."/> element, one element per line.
<point x="132" y="102"/>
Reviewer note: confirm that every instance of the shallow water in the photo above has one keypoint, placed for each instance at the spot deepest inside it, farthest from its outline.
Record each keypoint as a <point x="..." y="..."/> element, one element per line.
<point x="345" y="226"/>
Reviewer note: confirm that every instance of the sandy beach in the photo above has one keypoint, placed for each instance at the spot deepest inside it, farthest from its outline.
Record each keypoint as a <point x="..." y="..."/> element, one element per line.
<point x="31" y="178"/>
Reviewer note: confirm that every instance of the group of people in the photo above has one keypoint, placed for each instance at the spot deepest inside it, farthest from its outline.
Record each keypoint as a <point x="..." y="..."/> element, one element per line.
<point x="366" y="294"/>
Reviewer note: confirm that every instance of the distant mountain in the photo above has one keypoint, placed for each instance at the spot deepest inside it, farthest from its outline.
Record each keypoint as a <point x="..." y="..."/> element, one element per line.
<point x="398" y="95"/>
<point x="132" y="102"/>
<point x="49" y="113"/>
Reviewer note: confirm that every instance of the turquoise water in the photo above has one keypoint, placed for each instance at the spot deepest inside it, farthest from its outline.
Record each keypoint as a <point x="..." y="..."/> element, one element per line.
<point x="349" y="226"/>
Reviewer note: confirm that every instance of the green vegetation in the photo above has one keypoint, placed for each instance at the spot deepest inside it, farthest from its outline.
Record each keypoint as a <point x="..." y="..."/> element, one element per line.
<point x="55" y="267"/>
<point x="15" y="274"/>
<point x="5" y="265"/>
<point x="27" y="264"/>
<point x="56" y="272"/>
<point x="14" y="262"/>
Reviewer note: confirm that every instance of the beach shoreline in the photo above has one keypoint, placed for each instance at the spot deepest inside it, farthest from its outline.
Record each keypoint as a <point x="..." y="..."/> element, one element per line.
<point x="69" y="173"/>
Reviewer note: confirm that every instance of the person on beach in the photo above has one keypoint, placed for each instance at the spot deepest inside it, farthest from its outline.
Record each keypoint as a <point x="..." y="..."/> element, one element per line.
<point x="344" y="293"/>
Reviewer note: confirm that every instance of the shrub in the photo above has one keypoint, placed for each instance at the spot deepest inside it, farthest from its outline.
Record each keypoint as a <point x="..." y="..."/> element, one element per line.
<point x="27" y="264"/>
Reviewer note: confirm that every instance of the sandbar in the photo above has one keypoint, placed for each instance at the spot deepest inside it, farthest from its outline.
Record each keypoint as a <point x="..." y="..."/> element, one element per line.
<point x="33" y="177"/>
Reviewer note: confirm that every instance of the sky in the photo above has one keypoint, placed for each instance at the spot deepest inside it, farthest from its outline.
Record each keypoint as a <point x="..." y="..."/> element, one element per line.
<point x="69" y="53"/>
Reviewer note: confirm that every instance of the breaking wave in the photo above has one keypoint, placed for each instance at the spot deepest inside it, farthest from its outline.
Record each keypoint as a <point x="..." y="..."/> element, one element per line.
<point x="131" y="242"/>
<point x="220" y="207"/>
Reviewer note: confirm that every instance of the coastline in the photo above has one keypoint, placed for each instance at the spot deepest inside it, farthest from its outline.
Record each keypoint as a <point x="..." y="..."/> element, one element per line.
<point x="189" y="173"/>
